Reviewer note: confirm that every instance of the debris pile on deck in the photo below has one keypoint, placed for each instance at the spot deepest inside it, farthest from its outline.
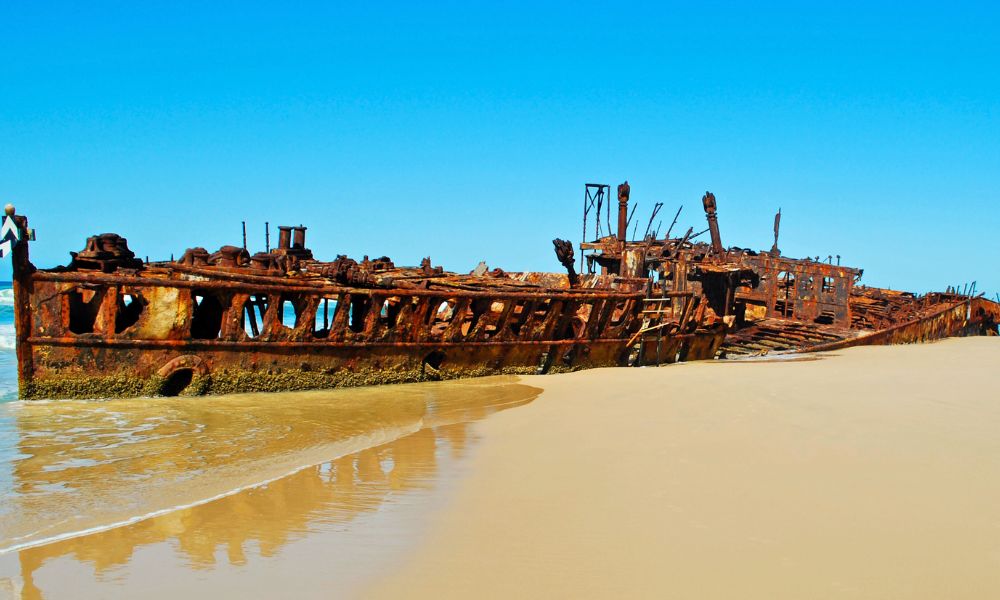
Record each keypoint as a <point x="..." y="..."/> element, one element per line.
<point x="110" y="324"/>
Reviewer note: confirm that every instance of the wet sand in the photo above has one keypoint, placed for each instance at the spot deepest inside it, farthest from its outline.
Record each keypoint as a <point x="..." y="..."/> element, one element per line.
<point x="173" y="497"/>
<point x="872" y="474"/>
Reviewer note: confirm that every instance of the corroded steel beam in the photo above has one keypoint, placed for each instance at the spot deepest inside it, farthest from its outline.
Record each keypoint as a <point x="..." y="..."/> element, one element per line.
<point x="273" y="286"/>
<point x="109" y="324"/>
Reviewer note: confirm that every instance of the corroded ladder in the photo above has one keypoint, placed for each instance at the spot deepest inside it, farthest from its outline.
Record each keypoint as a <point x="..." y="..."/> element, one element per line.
<point x="659" y="322"/>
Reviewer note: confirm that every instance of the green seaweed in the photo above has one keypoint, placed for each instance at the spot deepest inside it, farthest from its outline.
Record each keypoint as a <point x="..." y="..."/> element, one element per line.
<point x="239" y="381"/>
<point x="110" y="386"/>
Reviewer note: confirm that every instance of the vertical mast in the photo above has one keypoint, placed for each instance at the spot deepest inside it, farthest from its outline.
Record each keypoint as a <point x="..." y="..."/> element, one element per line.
<point x="22" y="269"/>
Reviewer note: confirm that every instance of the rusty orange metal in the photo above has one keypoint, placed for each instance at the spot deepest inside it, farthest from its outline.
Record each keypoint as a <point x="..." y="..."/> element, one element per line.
<point x="111" y="324"/>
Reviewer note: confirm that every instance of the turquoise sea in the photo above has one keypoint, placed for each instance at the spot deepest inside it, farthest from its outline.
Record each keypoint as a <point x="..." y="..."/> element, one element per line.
<point x="8" y="361"/>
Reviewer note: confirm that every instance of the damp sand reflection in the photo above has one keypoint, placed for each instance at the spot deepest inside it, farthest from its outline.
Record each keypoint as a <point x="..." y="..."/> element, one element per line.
<point x="76" y="468"/>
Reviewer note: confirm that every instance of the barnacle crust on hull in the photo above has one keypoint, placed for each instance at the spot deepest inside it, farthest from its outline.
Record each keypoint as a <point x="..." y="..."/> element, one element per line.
<point x="111" y="324"/>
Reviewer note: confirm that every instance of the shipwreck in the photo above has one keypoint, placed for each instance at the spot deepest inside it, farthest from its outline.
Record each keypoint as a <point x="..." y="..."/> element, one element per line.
<point x="111" y="324"/>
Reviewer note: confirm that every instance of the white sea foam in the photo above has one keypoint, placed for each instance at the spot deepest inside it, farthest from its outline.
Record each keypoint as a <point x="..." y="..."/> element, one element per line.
<point x="6" y="319"/>
<point x="7" y="336"/>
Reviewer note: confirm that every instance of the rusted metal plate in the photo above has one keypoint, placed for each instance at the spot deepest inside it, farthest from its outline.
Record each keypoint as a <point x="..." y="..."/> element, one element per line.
<point x="110" y="324"/>
<point x="782" y="304"/>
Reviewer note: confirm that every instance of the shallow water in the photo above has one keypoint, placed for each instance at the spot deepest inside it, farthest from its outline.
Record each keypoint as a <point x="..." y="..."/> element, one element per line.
<point x="8" y="362"/>
<point x="98" y="480"/>
<point x="219" y="491"/>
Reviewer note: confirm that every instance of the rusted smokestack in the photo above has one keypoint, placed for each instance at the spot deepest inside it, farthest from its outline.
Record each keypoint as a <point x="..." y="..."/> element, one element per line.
<point x="713" y="223"/>
<point x="623" y="192"/>
<point x="299" y="237"/>
<point x="284" y="237"/>
<point x="777" y="227"/>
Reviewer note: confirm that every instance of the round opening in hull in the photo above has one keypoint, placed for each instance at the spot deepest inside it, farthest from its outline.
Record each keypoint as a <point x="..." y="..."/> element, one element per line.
<point x="177" y="382"/>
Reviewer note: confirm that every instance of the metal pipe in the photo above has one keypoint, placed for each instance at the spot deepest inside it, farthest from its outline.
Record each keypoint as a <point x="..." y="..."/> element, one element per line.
<point x="777" y="228"/>
<point x="708" y="200"/>
<point x="586" y="209"/>
<point x="623" y="194"/>
<point x="666" y="236"/>
<point x="299" y="237"/>
<point x="284" y="237"/>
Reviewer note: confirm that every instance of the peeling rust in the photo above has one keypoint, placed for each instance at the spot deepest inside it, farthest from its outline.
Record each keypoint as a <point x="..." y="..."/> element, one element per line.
<point x="109" y="324"/>
<point x="774" y="303"/>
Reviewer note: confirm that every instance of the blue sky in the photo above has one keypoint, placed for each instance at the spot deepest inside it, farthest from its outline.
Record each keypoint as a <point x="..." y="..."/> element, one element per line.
<point x="467" y="133"/>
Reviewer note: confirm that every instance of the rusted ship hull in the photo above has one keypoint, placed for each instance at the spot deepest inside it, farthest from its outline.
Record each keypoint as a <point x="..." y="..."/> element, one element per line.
<point x="776" y="304"/>
<point x="968" y="317"/>
<point x="972" y="316"/>
<point x="109" y="324"/>
<point x="81" y="343"/>
<point x="149" y="369"/>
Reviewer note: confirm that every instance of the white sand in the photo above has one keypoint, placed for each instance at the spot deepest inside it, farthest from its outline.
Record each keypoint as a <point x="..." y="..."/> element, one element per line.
<point x="874" y="473"/>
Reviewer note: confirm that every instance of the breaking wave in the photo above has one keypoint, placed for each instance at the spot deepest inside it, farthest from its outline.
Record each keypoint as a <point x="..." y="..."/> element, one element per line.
<point x="6" y="321"/>
<point x="7" y="336"/>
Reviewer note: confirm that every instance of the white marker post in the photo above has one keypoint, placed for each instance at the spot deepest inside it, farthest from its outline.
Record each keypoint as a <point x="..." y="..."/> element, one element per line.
<point x="10" y="234"/>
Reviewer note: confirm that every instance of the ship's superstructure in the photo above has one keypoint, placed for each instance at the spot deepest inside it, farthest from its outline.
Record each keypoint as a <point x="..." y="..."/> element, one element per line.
<point x="111" y="324"/>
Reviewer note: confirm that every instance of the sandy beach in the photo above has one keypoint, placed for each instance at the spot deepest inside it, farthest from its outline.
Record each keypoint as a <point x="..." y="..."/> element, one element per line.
<point x="868" y="473"/>
<point x="874" y="473"/>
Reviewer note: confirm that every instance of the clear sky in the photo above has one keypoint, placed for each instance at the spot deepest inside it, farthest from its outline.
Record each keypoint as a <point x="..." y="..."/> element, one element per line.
<point x="467" y="134"/>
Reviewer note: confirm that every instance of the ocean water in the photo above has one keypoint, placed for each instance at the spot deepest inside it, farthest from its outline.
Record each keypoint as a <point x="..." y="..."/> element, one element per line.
<point x="100" y="482"/>
<point x="72" y="466"/>
<point x="8" y="361"/>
